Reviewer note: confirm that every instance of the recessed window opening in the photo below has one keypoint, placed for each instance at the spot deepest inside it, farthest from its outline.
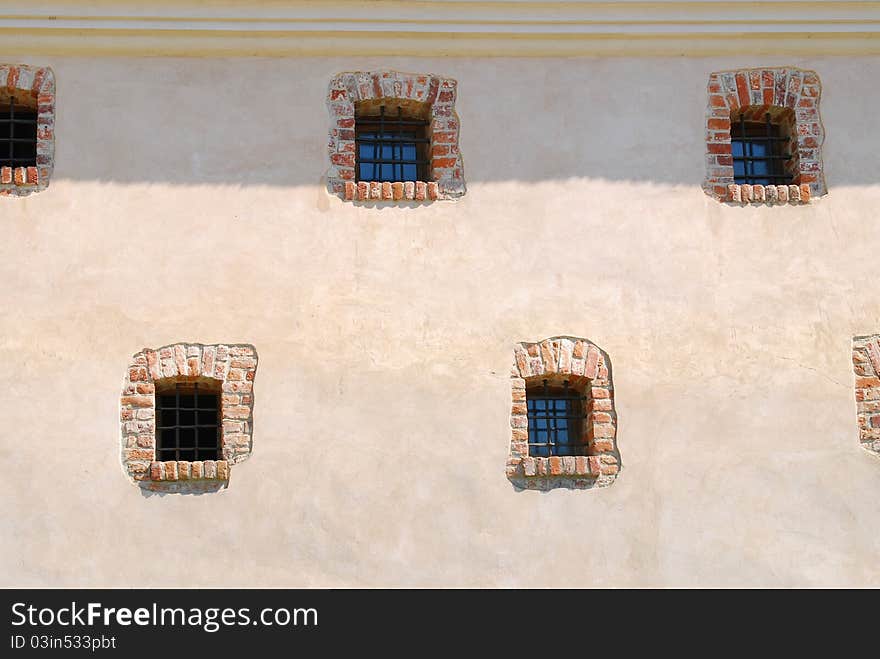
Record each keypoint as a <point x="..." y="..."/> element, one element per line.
<point x="392" y="146"/>
<point x="18" y="134"/>
<point x="188" y="421"/>
<point x="761" y="151"/>
<point x="555" y="416"/>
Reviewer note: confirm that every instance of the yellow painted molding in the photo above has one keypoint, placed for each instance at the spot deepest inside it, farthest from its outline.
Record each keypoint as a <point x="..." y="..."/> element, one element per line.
<point x="447" y="28"/>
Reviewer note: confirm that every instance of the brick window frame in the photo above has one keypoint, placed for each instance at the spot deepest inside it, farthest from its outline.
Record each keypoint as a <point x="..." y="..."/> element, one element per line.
<point x="37" y="86"/>
<point x="233" y="366"/>
<point x="795" y="92"/>
<point x="439" y="92"/>
<point x="866" y="366"/>
<point x="587" y="368"/>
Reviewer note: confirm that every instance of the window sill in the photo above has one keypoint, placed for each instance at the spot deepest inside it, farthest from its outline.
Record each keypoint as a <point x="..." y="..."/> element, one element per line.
<point x="577" y="472"/>
<point x="388" y="191"/>
<point x="18" y="180"/>
<point x="768" y="194"/>
<point x="202" y="470"/>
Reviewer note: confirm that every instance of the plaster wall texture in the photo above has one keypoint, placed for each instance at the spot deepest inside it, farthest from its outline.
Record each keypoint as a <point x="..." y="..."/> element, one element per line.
<point x="188" y="205"/>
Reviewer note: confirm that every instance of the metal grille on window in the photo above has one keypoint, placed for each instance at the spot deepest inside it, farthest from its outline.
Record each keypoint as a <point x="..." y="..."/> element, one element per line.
<point x="391" y="148"/>
<point x="18" y="135"/>
<point x="188" y="423"/>
<point x="555" y="421"/>
<point x="760" y="152"/>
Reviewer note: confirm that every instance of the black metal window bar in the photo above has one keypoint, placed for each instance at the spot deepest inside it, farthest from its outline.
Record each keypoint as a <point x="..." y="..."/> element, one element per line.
<point x="555" y="421"/>
<point x="188" y="423"/>
<point x="759" y="152"/>
<point x="18" y="135"/>
<point x="391" y="148"/>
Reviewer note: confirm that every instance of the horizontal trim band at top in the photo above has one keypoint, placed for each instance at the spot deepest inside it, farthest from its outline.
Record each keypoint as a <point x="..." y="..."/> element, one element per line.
<point x="15" y="44"/>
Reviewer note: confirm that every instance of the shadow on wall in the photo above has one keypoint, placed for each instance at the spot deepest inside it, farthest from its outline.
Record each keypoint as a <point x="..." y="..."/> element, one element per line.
<point x="265" y="122"/>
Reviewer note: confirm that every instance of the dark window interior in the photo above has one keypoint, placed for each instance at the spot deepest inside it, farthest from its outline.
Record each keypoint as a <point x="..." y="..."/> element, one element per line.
<point x="187" y="424"/>
<point x="18" y="135"/>
<point x="760" y="150"/>
<point x="556" y="419"/>
<point x="391" y="147"/>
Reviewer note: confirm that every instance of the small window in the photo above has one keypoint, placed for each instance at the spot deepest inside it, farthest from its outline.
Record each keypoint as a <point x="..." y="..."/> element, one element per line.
<point x="563" y="427"/>
<point x="186" y="415"/>
<point x="18" y="134"/>
<point x="393" y="137"/>
<point x="189" y="421"/>
<point x="764" y="136"/>
<point x="391" y="146"/>
<point x="555" y="421"/>
<point x="761" y="151"/>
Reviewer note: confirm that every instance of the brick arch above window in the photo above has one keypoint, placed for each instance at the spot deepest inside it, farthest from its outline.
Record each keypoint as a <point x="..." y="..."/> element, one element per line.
<point x="791" y="96"/>
<point x="582" y="366"/>
<point x="33" y="89"/>
<point x="226" y="370"/>
<point x="437" y="93"/>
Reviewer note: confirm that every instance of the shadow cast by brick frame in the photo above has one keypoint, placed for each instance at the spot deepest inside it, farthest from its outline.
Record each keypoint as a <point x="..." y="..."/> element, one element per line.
<point x="38" y="85"/>
<point x="588" y="369"/>
<point x="233" y="367"/>
<point x="439" y="92"/>
<point x="757" y="91"/>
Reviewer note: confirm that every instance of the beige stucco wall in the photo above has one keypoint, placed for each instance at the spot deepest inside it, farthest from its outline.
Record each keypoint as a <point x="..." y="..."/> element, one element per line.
<point x="188" y="205"/>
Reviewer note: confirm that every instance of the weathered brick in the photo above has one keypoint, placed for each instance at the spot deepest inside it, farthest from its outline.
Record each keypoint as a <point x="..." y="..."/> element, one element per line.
<point x="137" y="401"/>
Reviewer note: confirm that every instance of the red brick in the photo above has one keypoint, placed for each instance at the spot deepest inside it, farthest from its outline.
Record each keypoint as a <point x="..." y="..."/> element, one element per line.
<point x="346" y="159"/>
<point x="138" y="373"/>
<point x="755" y="79"/>
<point x="421" y="190"/>
<point x="742" y="89"/>
<point x="12" y="78"/>
<point x="137" y="401"/>
<point x="718" y="124"/>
